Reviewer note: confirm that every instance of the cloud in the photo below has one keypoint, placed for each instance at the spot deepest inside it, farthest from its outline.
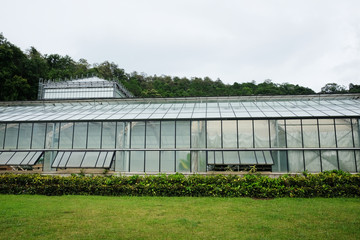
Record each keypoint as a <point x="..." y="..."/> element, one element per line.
<point x="309" y="43"/>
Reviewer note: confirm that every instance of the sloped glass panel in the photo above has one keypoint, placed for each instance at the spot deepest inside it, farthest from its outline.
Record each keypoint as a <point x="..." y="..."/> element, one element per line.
<point x="231" y="157"/>
<point x="90" y="159"/>
<point x="75" y="159"/>
<point x="247" y="157"/>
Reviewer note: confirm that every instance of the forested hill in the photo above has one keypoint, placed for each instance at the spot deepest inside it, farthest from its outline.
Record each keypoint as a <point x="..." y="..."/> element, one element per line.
<point x="20" y="73"/>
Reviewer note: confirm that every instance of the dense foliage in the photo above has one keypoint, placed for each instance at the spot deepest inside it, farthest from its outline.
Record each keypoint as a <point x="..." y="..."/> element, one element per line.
<point x="327" y="184"/>
<point x="20" y="73"/>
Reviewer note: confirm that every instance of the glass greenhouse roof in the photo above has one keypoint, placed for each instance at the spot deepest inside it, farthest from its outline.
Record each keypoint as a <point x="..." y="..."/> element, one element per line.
<point x="193" y="108"/>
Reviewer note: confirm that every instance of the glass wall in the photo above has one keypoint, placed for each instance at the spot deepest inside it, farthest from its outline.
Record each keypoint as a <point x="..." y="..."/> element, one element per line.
<point x="296" y="145"/>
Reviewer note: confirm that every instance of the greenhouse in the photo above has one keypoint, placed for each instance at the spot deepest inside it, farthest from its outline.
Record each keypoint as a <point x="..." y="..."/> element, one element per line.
<point x="191" y="135"/>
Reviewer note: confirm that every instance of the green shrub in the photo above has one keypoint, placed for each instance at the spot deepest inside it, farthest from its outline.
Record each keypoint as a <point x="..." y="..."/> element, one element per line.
<point x="326" y="184"/>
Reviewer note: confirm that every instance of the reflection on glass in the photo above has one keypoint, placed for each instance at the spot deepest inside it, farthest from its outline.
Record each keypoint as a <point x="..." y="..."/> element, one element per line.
<point x="11" y="135"/>
<point x="312" y="161"/>
<point x="329" y="160"/>
<point x="347" y="161"/>
<point x="261" y="133"/>
<point x="344" y="134"/>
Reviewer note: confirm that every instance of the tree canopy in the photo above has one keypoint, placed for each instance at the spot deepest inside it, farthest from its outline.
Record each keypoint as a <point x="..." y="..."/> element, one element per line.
<point x="20" y="73"/>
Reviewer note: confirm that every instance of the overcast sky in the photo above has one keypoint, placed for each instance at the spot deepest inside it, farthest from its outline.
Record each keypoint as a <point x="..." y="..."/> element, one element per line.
<point x="305" y="42"/>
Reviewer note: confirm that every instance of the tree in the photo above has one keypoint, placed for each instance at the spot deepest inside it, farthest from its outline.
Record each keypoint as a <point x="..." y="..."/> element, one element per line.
<point x="333" y="88"/>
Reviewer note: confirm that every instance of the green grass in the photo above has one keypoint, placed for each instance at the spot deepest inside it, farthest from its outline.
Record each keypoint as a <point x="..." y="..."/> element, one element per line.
<point x="97" y="217"/>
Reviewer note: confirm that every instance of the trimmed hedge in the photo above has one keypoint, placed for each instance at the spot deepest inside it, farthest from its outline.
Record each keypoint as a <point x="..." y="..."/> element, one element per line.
<point x="327" y="184"/>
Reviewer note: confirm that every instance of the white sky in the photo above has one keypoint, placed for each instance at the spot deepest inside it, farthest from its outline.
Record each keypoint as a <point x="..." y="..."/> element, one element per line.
<point x="305" y="42"/>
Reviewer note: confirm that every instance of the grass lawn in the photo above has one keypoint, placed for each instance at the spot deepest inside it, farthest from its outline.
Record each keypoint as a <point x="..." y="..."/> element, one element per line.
<point x="97" y="217"/>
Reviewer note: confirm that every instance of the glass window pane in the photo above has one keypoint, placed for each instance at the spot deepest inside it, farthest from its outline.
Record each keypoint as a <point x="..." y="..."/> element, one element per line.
<point x="123" y="135"/>
<point x="310" y="133"/>
<point x="344" y="134"/>
<point x="219" y="157"/>
<point x="280" y="161"/>
<point x="2" y="134"/>
<point x="296" y="161"/>
<point x="168" y="134"/>
<point x="245" y="131"/>
<point x="312" y="161"/>
<point x="38" y="136"/>
<point x="52" y="135"/>
<point x="122" y="161"/>
<point x="137" y="161"/>
<point x="356" y="131"/>
<point x="229" y="133"/>
<point x="211" y="157"/>
<point x="260" y="157"/>
<point x="261" y="133"/>
<point x="293" y="134"/>
<point x="231" y="157"/>
<point x="75" y="159"/>
<point x="94" y="135"/>
<point x="108" y="135"/>
<point x="153" y="134"/>
<point x="11" y="135"/>
<point x="137" y="135"/>
<point x="247" y="157"/>
<point x="329" y="160"/>
<point x="198" y="134"/>
<point x="327" y="133"/>
<point x="347" y="161"/>
<point x="66" y="134"/>
<point x="90" y="159"/>
<point x="183" y="161"/>
<point x="80" y="134"/>
<point x="25" y="131"/>
<point x="213" y="134"/>
<point x="198" y="161"/>
<point x="277" y="132"/>
<point x="167" y="161"/>
<point x="152" y="161"/>
<point x="182" y="134"/>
